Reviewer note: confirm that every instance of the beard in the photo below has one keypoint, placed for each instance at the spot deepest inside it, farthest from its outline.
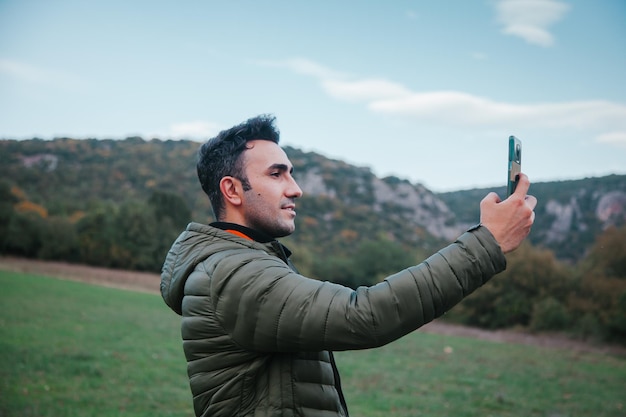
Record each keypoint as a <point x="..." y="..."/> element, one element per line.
<point x="271" y="219"/>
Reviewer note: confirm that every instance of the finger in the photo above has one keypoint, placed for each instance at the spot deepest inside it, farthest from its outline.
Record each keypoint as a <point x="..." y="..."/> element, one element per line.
<point x="523" y="184"/>
<point x="531" y="201"/>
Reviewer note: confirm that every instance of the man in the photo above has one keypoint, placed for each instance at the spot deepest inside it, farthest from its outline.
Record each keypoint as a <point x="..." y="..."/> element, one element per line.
<point x="258" y="337"/>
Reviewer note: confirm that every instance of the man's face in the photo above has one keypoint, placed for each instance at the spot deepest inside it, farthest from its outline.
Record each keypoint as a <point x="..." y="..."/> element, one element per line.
<point x="269" y="204"/>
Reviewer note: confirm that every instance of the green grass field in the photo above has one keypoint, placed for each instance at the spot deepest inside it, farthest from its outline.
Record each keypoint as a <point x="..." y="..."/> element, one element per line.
<point x="73" y="349"/>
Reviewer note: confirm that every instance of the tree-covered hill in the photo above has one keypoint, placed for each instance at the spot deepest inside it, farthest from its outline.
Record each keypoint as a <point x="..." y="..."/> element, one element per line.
<point x="67" y="175"/>
<point x="343" y="205"/>
<point x="570" y="214"/>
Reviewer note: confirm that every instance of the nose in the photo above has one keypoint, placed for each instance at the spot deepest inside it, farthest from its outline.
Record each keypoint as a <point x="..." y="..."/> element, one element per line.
<point x="294" y="189"/>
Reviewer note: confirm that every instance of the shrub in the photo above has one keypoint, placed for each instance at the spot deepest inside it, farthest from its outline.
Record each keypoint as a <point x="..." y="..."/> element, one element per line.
<point x="549" y="314"/>
<point x="588" y="328"/>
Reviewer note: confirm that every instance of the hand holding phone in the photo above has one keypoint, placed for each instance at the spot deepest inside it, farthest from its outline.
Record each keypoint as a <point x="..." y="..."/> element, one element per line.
<point x="509" y="221"/>
<point x="515" y="164"/>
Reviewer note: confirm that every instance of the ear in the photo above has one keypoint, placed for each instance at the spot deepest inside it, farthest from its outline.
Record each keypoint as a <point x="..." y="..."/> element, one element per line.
<point x="232" y="190"/>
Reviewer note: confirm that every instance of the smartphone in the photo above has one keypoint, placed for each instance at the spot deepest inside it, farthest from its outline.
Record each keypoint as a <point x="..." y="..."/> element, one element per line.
<point x="515" y="164"/>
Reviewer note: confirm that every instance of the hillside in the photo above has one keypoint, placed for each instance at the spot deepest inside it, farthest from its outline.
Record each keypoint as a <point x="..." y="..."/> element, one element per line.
<point x="570" y="214"/>
<point x="343" y="205"/>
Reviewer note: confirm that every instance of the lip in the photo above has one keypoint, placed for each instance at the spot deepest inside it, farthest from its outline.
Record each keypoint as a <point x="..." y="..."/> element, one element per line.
<point x="290" y="207"/>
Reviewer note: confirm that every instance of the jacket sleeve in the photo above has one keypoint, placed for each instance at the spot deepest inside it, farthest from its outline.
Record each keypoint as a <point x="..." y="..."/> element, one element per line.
<point x="265" y="306"/>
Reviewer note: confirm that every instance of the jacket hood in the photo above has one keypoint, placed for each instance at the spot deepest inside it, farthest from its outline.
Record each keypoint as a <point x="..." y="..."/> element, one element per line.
<point x="193" y="246"/>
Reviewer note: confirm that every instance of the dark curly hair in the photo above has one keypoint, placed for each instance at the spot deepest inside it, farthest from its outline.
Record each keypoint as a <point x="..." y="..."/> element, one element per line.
<point x="221" y="156"/>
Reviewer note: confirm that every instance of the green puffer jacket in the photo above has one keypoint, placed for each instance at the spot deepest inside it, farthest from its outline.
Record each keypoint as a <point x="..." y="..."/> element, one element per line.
<point x="258" y="336"/>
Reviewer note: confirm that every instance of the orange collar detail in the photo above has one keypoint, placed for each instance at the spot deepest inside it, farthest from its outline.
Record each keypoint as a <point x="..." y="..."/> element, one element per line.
<point x="238" y="233"/>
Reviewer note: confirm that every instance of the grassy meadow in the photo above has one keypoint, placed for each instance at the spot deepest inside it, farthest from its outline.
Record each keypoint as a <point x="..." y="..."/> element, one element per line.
<point x="73" y="349"/>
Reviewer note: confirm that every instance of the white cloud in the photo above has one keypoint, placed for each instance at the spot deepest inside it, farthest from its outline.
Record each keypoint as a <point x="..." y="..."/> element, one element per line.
<point x="304" y="66"/>
<point x="193" y="130"/>
<point x="530" y="19"/>
<point x="613" y="138"/>
<point x="364" y="90"/>
<point x="461" y="109"/>
<point x="456" y="108"/>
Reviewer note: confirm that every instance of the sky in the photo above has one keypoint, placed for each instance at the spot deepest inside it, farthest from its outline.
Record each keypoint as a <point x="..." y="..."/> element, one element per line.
<point x="428" y="91"/>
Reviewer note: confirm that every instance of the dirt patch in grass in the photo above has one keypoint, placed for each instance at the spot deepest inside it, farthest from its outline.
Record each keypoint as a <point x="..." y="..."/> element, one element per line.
<point x="149" y="282"/>
<point x="129" y="280"/>
<point x="548" y="340"/>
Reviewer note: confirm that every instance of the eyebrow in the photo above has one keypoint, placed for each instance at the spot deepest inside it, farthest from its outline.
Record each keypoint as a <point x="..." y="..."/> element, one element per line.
<point x="281" y="167"/>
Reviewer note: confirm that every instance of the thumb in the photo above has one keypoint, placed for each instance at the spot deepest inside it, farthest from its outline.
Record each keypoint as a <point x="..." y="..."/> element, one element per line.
<point x="523" y="184"/>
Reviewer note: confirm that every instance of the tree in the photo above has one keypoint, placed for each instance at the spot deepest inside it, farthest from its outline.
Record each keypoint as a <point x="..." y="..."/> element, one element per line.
<point x="608" y="254"/>
<point x="337" y="269"/>
<point x="602" y="291"/>
<point x="23" y="234"/>
<point x="510" y="298"/>
<point x="59" y="240"/>
<point x="7" y="200"/>
<point x="377" y="259"/>
<point x="96" y="235"/>
<point x="372" y="261"/>
<point x="135" y="240"/>
<point x="172" y="215"/>
<point x="170" y="206"/>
